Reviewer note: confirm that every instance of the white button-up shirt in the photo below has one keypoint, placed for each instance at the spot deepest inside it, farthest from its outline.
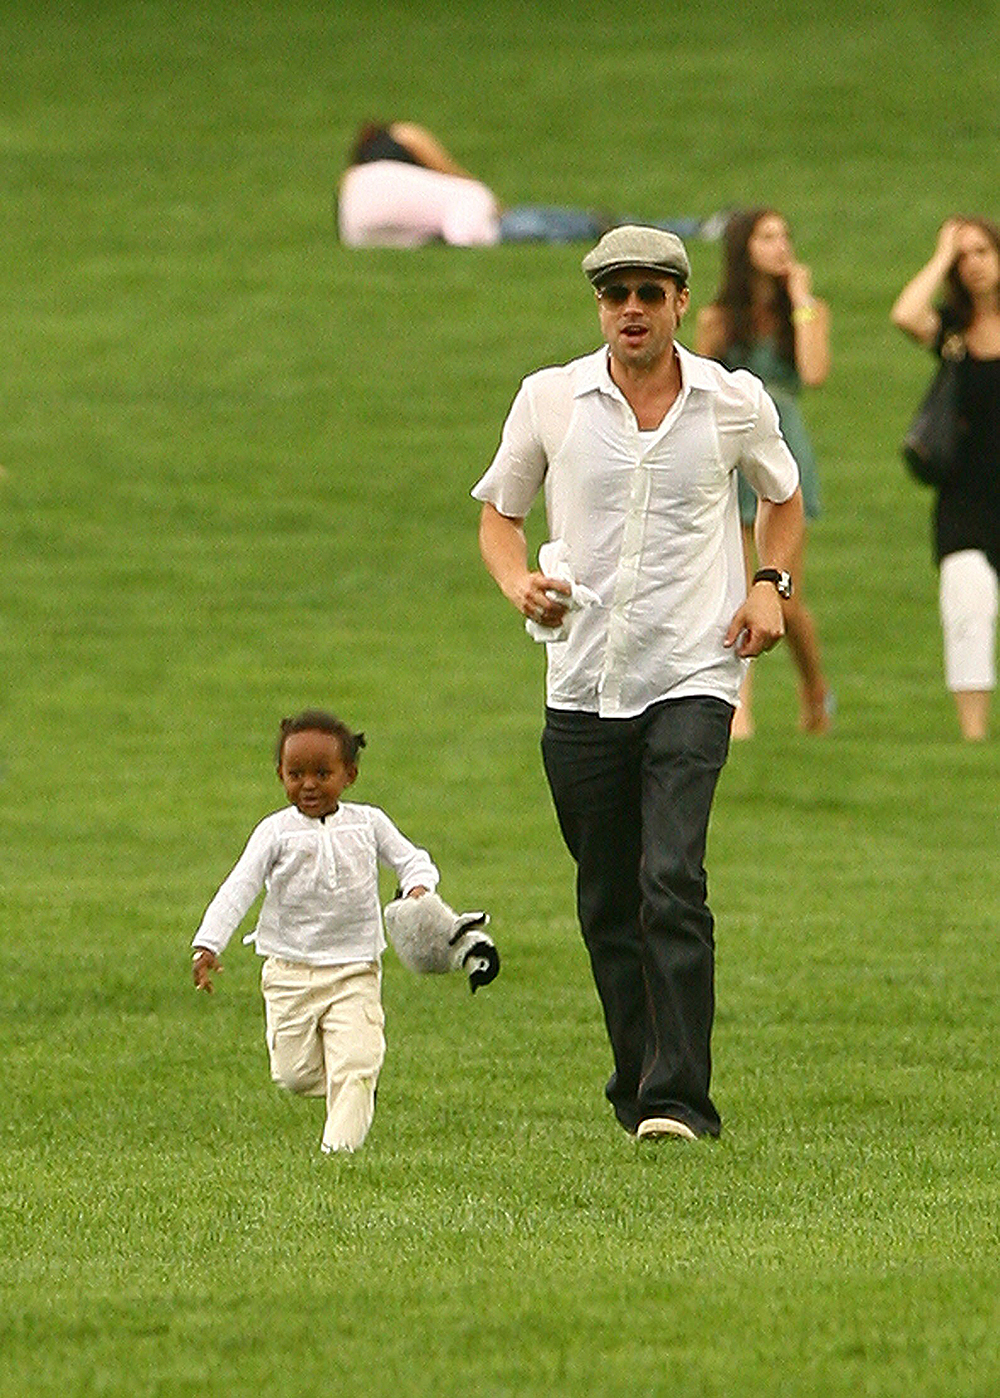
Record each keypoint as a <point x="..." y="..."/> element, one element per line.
<point x="322" y="903"/>
<point x="650" y="520"/>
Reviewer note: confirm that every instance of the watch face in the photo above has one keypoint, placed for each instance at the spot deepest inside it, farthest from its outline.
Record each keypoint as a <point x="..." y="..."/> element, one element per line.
<point x="782" y="580"/>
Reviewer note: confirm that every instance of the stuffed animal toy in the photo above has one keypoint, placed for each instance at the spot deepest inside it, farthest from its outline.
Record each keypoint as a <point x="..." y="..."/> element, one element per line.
<point x="430" y="937"/>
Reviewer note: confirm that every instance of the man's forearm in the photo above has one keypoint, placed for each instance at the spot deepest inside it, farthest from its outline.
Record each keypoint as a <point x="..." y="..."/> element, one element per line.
<point x="505" y="552"/>
<point x="504" y="549"/>
<point x="779" y="531"/>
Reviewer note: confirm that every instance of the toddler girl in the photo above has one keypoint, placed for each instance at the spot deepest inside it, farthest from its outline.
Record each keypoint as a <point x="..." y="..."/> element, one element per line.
<point x="320" y="925"/>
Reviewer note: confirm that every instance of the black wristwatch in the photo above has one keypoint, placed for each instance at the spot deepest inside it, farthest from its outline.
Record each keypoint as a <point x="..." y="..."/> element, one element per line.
<point x="781" y="580"/>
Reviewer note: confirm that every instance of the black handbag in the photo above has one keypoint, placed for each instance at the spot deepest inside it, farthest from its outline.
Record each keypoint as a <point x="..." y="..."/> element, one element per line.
<point x="930" y="447"/>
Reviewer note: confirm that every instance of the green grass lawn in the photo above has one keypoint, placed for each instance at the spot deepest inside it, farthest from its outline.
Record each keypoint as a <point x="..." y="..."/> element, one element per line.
<point x="237" y="461"/>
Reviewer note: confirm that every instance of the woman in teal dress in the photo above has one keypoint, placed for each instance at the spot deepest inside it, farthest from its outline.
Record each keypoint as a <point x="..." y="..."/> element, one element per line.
<point x="765" y="319"/>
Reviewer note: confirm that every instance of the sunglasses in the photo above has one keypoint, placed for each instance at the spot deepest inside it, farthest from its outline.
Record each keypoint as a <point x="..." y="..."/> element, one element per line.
<point x="617" y="293"/>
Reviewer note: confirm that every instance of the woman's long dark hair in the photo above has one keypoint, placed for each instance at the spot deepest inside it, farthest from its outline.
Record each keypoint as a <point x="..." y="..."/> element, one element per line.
<point x="957" y="306"/>
<point x="735" y="295"/>
<point x="367" y="132"/>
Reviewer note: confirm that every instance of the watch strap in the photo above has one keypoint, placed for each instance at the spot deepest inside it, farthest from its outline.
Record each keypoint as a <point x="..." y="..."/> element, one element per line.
<point x="781" y="579"/>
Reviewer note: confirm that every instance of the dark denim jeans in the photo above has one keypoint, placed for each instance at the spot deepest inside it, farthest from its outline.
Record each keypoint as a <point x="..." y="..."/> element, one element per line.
<point x="633" y="797"/>
<point x="548" y="223"/>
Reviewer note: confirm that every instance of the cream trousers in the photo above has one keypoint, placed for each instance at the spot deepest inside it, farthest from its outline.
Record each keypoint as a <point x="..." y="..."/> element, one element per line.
<point x="325" y="1037"/>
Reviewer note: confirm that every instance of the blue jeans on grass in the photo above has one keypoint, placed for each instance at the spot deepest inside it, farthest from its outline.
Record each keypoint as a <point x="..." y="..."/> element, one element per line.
<point x="633" y="798"/>
<point x="551" y="223"/>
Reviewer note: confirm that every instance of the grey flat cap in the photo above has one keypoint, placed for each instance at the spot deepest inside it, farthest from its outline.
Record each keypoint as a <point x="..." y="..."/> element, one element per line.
<point x="634" y="246"/>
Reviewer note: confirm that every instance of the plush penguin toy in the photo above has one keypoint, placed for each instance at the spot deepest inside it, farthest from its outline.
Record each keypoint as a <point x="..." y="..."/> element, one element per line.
<point x="430" y="937"/>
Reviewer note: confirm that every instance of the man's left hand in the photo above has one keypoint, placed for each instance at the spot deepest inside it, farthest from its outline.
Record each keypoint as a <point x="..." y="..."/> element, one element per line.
<point x="759" y="624"/>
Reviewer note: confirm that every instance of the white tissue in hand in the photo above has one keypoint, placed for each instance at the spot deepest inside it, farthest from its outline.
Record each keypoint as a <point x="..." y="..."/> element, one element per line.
<point x="553" y="561"/>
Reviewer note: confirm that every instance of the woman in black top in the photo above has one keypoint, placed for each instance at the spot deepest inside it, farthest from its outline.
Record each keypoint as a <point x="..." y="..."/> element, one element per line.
<point x="966" y="325"/>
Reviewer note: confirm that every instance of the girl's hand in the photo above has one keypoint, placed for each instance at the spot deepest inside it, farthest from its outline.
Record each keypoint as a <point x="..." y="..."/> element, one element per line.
<point x="417" y="892"/>
<point x="205" y="961"/>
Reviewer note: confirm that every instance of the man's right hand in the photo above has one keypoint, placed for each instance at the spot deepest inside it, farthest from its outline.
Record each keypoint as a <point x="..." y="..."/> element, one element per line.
<point x="531" y="597"/>
<point x="505" y="553"/>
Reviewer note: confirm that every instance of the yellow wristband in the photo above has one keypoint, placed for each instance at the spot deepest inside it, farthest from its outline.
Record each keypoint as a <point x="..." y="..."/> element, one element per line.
<point x="804" y="315"/>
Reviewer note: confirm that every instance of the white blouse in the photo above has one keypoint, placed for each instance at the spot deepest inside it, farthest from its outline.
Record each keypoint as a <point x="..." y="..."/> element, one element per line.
<point x="322" y="904"/>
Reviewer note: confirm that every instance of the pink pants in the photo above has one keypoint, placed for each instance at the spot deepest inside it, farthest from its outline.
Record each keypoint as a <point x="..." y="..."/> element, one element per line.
<point x="390" y="204"/>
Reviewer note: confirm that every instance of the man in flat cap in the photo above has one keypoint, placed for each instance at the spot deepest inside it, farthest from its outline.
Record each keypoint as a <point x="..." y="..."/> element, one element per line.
<point x="642" y="596"/>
